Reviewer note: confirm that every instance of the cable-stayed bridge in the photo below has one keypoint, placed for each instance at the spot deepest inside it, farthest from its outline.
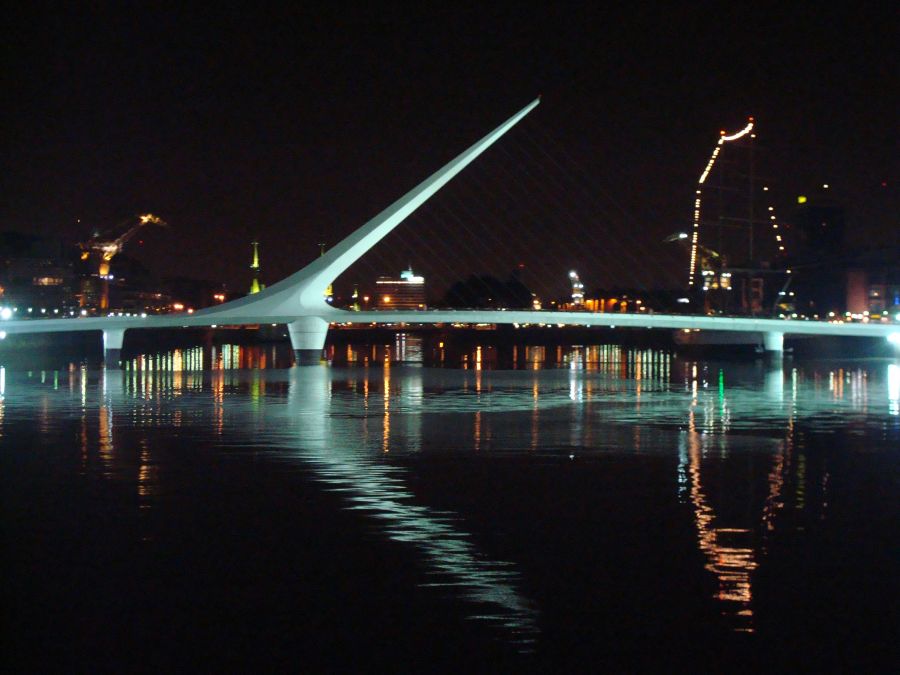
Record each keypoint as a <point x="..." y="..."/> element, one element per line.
<point x="299" y="300"/>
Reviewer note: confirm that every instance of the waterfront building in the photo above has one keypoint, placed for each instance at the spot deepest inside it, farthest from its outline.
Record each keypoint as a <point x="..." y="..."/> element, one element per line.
<point x="35" y="272"/>
<point x="616" y="300"/>
<point x="818" y="227"/>
<point x="874" y="290"/>
<point x="407" y="292"/>
<point x="577" y="290"/>
<point x="833" y="275"/>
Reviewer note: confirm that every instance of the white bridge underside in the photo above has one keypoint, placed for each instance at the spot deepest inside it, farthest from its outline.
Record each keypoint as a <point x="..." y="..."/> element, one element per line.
<point x="299" y="299"/>
<point x="451" y="316"/>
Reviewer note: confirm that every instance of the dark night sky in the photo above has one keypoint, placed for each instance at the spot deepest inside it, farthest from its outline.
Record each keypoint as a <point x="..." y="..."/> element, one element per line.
<point x="296" y="125"/>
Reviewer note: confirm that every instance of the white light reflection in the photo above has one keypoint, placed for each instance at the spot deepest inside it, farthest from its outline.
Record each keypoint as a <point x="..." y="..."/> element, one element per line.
<point x="147" y="479"/>
<point x="386" y="430"/>
<point x="111" y="389"/>
<point x="378" y="489"/>
<point x="2" y="396"/>
<point x="774" y="383"/>
<point x="893" y="387"/>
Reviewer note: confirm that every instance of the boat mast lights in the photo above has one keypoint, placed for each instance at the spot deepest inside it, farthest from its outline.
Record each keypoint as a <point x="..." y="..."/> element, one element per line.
<point x="723" y="138"/>
<point x="743" y="132"/>
<point x="779" y="240"/>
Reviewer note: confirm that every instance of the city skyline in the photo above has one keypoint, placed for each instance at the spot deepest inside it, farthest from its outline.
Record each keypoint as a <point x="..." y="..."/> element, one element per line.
<point x="482" y="338"/>
<point x="298" y="127"/>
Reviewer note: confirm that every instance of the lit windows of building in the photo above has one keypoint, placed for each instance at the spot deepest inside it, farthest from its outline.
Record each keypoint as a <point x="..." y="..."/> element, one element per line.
<point x="407" y="292"/>
<point x="47" y="281"/>
<point x="577" y="290"/>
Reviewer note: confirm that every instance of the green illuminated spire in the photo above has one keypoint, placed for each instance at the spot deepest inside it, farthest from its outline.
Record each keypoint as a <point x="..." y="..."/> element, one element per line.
<point x="255" y="285"/>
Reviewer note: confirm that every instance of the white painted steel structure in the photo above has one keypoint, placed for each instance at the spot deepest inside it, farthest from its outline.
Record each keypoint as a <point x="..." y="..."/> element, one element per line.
<point x="299" y="299"/>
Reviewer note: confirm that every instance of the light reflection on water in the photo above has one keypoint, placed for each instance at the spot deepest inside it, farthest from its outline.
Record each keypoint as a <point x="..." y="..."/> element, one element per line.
<point x="348" y="466"/>
<point x="894" y="389"/>
<point x="343" y="423"/>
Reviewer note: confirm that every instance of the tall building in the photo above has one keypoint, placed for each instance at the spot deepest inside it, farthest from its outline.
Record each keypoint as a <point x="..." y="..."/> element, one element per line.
<point x="36" y="272"/>
<point x="835" y="272"/>
<point x="818" y="225"/>
<point x="820" y="255"/>
<point x="577" y="290"/>
<point x="407" y="292"/>
<point x="873" y="283"/>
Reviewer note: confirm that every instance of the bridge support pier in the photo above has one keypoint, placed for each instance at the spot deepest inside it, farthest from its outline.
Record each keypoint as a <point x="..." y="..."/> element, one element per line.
<point x="773" y="343"/>
<point x="112" y="347"/>
<point x="308" y="335"/>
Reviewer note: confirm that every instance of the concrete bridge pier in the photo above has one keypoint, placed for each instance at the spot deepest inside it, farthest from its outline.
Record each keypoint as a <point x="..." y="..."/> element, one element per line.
<point x="774" y="379"/>
<point x="773" y="343"/>
<point x="113" y="338"/>
<point x="308" y="335"/>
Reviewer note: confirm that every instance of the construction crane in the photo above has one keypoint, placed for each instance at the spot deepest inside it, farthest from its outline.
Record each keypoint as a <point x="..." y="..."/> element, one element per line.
<point x="102" y="250"/>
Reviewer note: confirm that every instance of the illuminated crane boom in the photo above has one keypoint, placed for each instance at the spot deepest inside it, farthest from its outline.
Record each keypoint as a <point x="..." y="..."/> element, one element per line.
<point x="104" y="250"/>
<point x="109" y="248"/>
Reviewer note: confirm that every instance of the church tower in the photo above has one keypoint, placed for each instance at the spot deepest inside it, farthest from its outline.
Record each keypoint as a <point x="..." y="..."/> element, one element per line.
<point x="255" y="285"/>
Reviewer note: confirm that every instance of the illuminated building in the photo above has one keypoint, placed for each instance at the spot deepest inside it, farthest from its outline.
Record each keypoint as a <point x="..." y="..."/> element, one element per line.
<point x="407" y="292"/>
<point x="874" y="289"/>
<point x="622" y="301"/>
<point x="834" y="275"/>
<point x="34" y="272"/>
<point x="577" y="290"/>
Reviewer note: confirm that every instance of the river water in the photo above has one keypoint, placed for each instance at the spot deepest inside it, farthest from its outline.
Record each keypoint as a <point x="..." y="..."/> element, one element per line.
<point x="210" y="509"/>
